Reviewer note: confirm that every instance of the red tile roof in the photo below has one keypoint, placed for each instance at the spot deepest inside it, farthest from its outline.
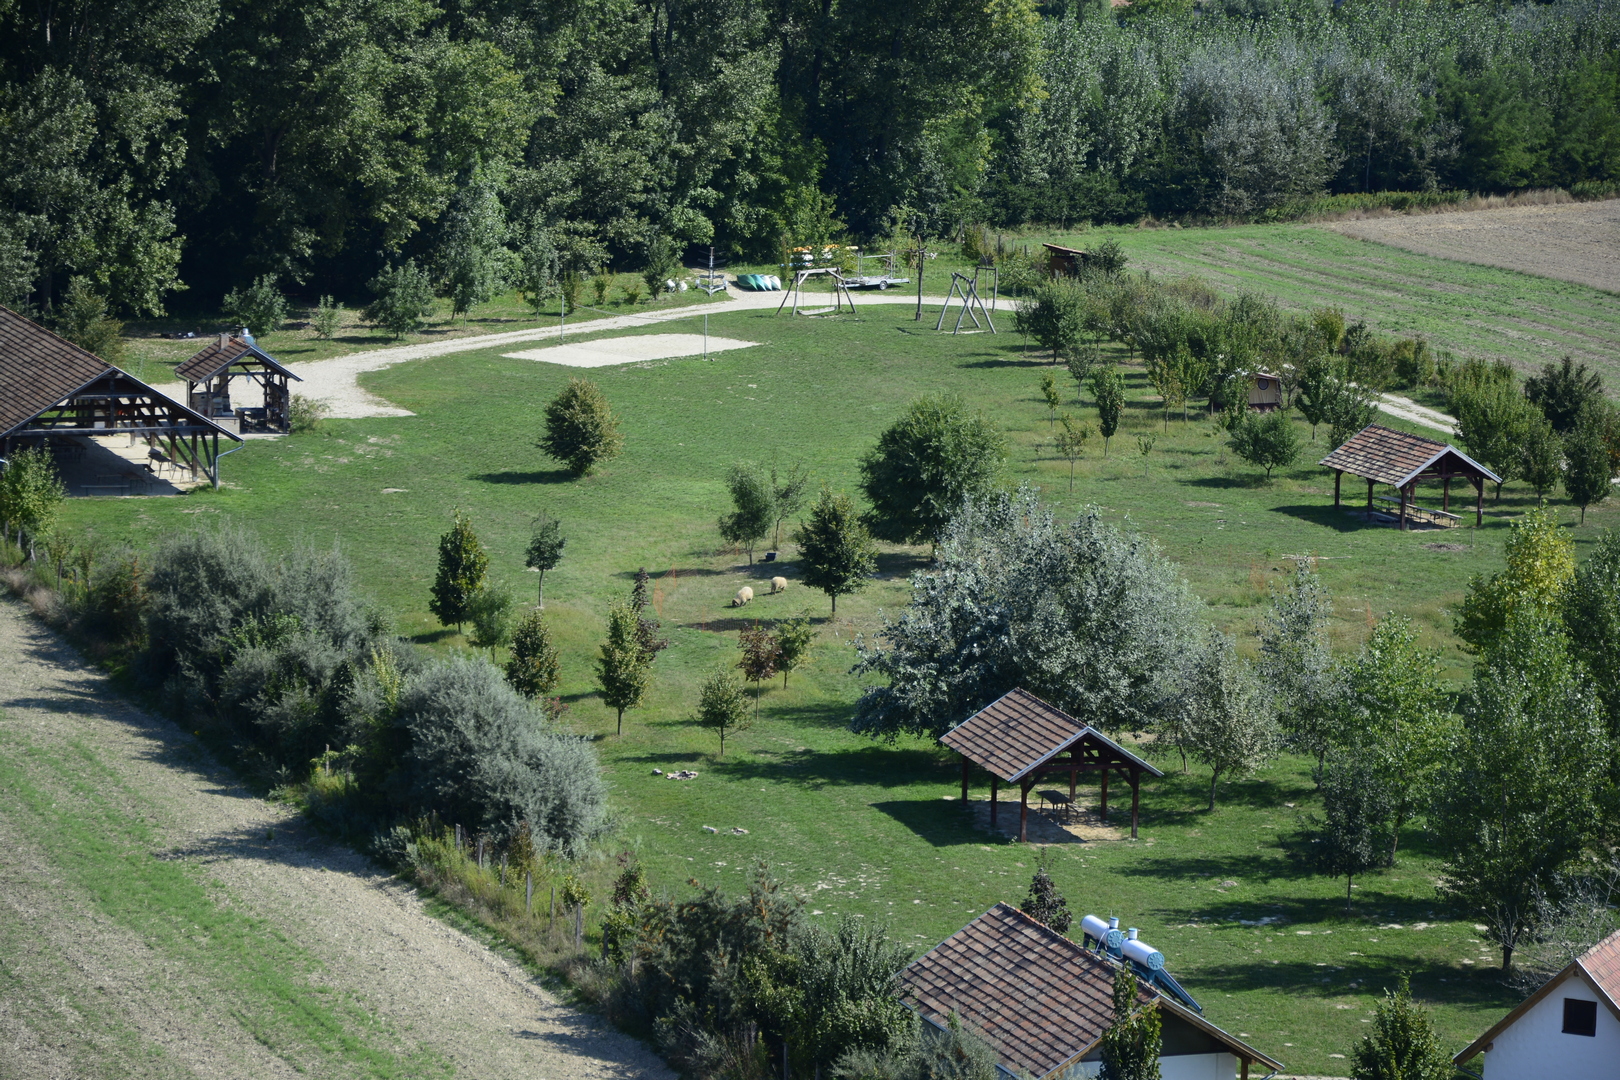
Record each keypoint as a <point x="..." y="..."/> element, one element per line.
<point x="1395" y="457"/>
<point x="1602" y="963"/>
<point x="38" y="369"/>
<point x="1600" y="966"/>
<point x="1018" y="732"/>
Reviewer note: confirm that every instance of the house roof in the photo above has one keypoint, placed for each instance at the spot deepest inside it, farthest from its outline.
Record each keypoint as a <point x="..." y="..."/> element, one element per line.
<point x="1598" y="967"/>
<point x="1058" y="249"/>
<point x="1397" y="458"/>
<point x="221" y="354"/>
<point x="1040" y="1000"/>
<point x="38" y="369"/>
<point x="1018" y="732"/>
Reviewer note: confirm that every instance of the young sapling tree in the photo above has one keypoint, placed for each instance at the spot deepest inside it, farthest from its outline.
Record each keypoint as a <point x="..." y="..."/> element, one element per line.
<point x="1071" y="443"/>
<point x="837" y="552"/>
<point x="532" y="664"/>
<point x="753" y="507"/>
<point x="1108" y="387"/>
<point x="795" y="640"/>
<point x="623" y="672"/>
<point x="722" y="706"/>
<point x="544" y="552"/>
<point x="1049" y="394"/>
<point x="463" y="564"/>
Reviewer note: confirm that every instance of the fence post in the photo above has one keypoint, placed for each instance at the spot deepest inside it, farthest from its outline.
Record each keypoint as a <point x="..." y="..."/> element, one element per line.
<point x="528" y="893"/>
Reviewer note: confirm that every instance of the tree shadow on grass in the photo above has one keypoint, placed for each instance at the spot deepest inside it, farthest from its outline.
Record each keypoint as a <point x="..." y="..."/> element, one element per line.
<point x="1245" y="482"/>
<point x="537" y="476"/>
<point x="1328" y="516"/>
<point x="433" y="637"/>
<point x="815" y="769"/>
<point x="901" y="564"/>
<point x="1431" y="981"/>
<point x="940" y="823"/>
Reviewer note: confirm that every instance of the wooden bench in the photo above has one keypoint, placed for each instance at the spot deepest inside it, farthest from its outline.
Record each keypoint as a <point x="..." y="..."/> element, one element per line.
<point x="1059" y="802"/>
<point x="1436" y="517"/>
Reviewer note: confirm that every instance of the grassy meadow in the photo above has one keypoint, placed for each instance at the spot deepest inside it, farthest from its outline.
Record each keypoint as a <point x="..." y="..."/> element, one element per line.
<point x="869" y="828"/>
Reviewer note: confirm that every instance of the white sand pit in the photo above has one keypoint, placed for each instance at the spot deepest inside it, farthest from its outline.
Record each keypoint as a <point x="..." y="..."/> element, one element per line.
<point x="628" y="350"/>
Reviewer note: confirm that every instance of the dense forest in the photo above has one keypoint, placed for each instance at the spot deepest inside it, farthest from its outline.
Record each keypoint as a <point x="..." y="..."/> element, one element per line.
<point x="152" y="147"/>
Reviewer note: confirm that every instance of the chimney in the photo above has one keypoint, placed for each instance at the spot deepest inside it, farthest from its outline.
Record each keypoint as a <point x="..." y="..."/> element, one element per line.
<point x="224" y="339"/>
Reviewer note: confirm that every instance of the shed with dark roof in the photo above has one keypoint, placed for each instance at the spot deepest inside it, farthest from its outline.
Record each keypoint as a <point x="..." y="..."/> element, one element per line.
<point x="1018" y="738"/>
<point x="1382" y="455"/>
<point x="208" y="376"/>
<point x="53" y="390"/>
<point x="1568" y="1029"/>
<point x="1043" y="1002"/>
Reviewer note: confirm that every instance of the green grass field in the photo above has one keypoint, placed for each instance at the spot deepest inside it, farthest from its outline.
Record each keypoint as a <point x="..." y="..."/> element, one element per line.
<point x="864" y="827"/>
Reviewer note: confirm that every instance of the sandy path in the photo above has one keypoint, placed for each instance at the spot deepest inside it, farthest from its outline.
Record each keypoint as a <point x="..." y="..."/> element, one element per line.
<point x="1421" y="415"/>
<point x="1577" y="242"/>
<point x="337" y="381"/>
<point x="435" y="988"/>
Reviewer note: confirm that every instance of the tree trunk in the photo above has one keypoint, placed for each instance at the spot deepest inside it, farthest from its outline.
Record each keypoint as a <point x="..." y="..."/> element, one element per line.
<point x="540" y="595"/>
<point x="835" y="603"/>
<point x="1347" y="888"/>
<point x="1214" y="778"/>
<point x="1507" y="959"/>
<point x="621" y="723"/>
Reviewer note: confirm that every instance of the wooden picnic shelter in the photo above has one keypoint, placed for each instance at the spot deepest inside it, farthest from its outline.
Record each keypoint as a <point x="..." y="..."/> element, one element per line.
<point x="234" y="357"/>
<point x="52" y="392"/>
<point x="1019" y="738"/>
<point x="1382" y="455"/>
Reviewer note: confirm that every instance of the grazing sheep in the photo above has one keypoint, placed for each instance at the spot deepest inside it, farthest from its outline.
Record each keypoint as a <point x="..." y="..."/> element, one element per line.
<point x="778" y="584"/>
<point x="744" y="595"/>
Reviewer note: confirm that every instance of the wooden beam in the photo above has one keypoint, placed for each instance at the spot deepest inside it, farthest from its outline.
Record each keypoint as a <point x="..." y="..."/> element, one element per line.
<point x="1104" y="813"/>
<point x="1479" y="501"/>
<point x="993" y="782"/>
<point x="1338" y="478"/>
<point x="964" y="779"/>
<point x="1136" y="798"/>
<point x="1023" y="812"/>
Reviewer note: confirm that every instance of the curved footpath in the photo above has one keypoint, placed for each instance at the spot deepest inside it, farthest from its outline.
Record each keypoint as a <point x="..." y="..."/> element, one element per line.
<point x="336" y="381"/>
<point x="157" y="920"/>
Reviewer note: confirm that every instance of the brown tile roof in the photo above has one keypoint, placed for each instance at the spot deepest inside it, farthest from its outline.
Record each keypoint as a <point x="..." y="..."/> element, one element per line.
<point x="1602" y="963"/>
<point x="1395" y="457"/>
<point x="38" y="369"/>
<point x="1018" y="732"/>
<point x="1038" y="998"/>
<point x="214" y="357"/>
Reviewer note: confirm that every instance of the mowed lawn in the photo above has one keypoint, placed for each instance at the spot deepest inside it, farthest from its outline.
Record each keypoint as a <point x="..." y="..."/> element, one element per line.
<point x="863" y="827"/>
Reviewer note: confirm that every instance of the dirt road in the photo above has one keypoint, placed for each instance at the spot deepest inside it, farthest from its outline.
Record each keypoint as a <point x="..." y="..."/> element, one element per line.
<point x="157" y="920"/>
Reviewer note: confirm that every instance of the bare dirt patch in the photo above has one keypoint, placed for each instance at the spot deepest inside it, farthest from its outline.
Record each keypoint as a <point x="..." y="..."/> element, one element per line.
<point x="1577" y="242"/>
<point x="1046" y="826"/>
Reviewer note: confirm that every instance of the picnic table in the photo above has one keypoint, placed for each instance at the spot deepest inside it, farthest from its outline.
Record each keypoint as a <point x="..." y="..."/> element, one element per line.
<point x="1436" y="517"/>
<point x="1059" y="802"/>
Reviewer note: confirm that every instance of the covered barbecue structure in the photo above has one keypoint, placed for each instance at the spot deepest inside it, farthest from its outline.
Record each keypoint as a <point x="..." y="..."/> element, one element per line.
<point x="236" y="358"/>
<point x="1382" y="455"/>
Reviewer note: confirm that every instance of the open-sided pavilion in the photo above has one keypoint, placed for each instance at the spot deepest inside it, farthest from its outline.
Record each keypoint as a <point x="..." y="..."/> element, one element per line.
<point x="1382" y="455"/>
<point x="1018" y="738"/>
<point x="232" y="358"/>
<point x="52" y="392"/>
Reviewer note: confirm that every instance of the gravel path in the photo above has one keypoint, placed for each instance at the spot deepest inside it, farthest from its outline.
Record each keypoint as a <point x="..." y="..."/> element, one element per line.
<point x="76" y="987"/>
<point x="337" y="381"/>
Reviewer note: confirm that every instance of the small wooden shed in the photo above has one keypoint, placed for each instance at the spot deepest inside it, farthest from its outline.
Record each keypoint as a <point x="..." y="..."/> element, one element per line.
<point x="1018" y="738"/>
<point x="209" y="374"/>
<point x="1382" y="455"/>
<point x="1064" y="261"/>
<point x="1265" y="392"/>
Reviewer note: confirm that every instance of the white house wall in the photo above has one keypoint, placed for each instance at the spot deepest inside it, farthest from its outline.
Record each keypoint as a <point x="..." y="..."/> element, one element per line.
<point x="1536" y="1047"/>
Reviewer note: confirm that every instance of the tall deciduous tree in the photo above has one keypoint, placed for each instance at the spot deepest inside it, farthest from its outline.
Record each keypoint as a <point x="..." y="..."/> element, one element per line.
<point x="259" y="307"/>
<point x="1562" y="391"/>
<point x="581" y="431"/>
<point x="463" y="564"/>
<point x="1492" y="421"/>
<point x="925" y="465"/>
<point x="1225" y="719"/>
<point x="753" y="507"/>
<point x="1591" y="613"/>
<point x="760" y="654"/>
<point x="1541" y="458"/>
<point x="1520" y="798"/>
<point x="1091" y="619"/>
<point x="1108" y="387"/>
<point x="1353" y="835"/>
<point x="795" y="641"/>
<point x="473" y="261"/>
<point x="1540" y="560"/>
<point x="532" y="666"/>
<point x="837" y="552"/>
<point x="789" y="487"/>
<point x="1588" y="465"/>
<point x="1392" y="711"/>
<point x="623" y="671"/>
<point x="1296" y="663"/>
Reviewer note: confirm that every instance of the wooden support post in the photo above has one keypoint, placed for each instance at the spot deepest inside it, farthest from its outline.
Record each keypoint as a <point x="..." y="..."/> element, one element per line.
<point x="964" y="778"/>
<point x="993" y="787"/>
<point x="1369" y="499"/>
<point x="1445" y="493"/>
<point x="1023" y="813"/>
<point x="1136" y="800"/>
<point x="1338" y="478"/>
<point x="1406" y="494"/>
<point x="1245" y="1073"/>
<point x="1479" y="501"/>
<point x="1104" y="812"/>
<point x="1074" y="775"/>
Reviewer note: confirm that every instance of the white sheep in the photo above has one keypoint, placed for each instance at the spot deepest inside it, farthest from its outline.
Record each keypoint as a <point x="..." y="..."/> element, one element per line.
<point x="744" y="595"/>
<point x="778" y="584"/>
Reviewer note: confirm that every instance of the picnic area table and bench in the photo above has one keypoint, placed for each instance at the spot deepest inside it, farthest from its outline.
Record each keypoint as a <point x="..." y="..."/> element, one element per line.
<point x="1435" y="517"/>
<point x="1382" y="455"/>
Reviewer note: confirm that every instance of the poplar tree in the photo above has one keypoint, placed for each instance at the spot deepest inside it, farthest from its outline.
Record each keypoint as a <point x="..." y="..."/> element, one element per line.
<point x="1226" y="721"/>
<point x="463" y="564"/>
<point x="1108" y="387"/>
<point x="1588" y="468"/>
